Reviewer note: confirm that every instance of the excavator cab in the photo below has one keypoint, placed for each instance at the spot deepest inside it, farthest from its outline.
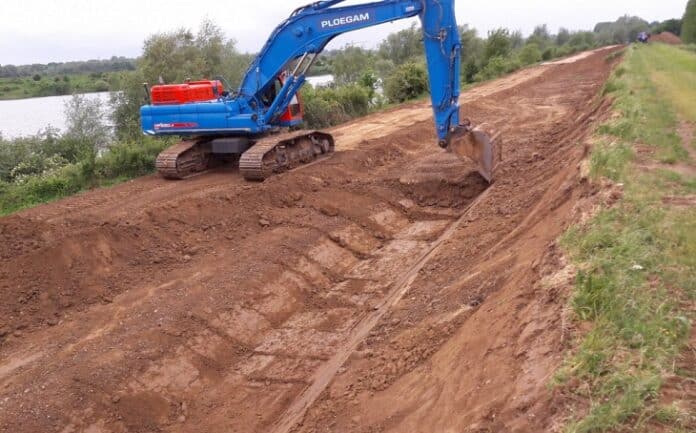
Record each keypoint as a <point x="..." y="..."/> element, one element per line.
<point x="293" y="115"/>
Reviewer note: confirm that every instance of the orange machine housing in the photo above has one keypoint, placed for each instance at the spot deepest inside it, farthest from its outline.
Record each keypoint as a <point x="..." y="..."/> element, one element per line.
<point x="194" y="91"/>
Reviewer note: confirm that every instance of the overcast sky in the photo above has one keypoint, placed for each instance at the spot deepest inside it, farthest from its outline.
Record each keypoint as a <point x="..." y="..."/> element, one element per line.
<point x="41" y="31"/>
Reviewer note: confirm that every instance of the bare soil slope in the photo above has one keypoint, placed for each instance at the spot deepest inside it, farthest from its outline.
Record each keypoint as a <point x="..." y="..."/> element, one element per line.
<point x="387" y="288"/>
<point x="666" y="38"/>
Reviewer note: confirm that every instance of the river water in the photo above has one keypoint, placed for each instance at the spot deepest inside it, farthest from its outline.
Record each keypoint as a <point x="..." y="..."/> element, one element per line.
<point x="28" y="116"/>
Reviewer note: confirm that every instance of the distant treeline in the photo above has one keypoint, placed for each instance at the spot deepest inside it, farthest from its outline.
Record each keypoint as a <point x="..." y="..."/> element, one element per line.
<point x="114" y="64"/>
<point x="627" y="28"/>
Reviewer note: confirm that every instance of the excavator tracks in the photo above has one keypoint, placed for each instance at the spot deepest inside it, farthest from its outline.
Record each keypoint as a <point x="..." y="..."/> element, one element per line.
<point x="183" y="159"/>
<point x="279" y="153"/>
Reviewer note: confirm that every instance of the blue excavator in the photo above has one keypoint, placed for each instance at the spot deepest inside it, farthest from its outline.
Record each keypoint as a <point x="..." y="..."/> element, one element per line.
<point x="257" y="125"/>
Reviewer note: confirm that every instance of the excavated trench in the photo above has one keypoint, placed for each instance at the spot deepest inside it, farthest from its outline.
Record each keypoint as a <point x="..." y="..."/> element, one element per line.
<point x="387" y="288"/>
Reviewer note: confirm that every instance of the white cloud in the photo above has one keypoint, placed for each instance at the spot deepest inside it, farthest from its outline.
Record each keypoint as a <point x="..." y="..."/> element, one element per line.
<point x="41" y="31"/>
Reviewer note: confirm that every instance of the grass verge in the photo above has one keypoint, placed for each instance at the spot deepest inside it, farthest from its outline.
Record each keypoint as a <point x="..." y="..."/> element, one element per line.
<point x="636" y="283"/>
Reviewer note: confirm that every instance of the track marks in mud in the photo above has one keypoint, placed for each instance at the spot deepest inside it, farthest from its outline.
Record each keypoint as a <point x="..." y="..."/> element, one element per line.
<point x="295" y="344"/>
<point x="322" y="264"/>
<point x="390" y="267"/>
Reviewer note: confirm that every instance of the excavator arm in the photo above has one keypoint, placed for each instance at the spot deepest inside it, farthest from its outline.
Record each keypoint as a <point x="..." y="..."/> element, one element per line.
<point x="243" y="123"/>
<point x="305" y="34"/>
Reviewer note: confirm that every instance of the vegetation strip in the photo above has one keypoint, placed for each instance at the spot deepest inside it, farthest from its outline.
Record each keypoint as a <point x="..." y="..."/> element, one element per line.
<point x="636" y="283"/>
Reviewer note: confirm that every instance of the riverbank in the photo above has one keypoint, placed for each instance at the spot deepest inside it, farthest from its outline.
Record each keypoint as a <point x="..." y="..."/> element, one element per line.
<point x="38" y="86"/>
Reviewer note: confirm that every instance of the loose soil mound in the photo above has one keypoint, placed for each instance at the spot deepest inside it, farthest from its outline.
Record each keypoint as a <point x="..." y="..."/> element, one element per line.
<point x="666" y="38"/>
<point x="387" y="288"/>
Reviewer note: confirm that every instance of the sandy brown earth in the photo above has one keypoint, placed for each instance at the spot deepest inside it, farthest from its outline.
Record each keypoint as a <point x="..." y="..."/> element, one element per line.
<point x="386" y="289"/>
<point x="666" y="38"/>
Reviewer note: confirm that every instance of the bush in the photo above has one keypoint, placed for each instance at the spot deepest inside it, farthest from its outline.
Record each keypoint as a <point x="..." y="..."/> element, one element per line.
<point x="101" y="86"/>
<point x="497" y="67"/>
<point x="408" y="81"/>
<point x="131" y="159"/>
<point x="498" y="44"/>
<point x="327" y="106"/>
<point x="40" y="189"/>
<point x="469" y="70"/>
<point x="39" y="173"/>
<point x="530" y="54"/>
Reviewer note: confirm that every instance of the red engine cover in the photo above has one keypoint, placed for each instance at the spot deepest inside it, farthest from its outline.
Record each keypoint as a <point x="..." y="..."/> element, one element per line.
<point x="195" y="91"/>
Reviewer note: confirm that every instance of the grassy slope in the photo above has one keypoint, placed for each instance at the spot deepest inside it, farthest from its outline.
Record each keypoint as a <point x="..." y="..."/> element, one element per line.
<point x="637" y="259"/>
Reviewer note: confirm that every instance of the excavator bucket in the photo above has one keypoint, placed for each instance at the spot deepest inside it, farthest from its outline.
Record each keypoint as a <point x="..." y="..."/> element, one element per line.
<point x="481" y="147"/>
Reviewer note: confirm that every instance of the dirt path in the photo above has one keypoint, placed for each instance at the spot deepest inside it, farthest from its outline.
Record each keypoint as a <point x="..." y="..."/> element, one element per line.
<point x="384" y="289"/>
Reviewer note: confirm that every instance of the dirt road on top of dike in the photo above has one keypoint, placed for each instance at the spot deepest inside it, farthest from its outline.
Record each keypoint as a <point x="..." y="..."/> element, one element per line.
<point x="385" y="289"/>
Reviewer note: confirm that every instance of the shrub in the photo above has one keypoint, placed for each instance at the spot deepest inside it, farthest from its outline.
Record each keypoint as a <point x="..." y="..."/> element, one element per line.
<point x="130" y="159"/>
<point x="101" y="86"/>
<point x="530" y="54"/>
<point x="498" y="44"/>
<point x="327" y="106"/>
<point x="40" y="189"/>
<point x="408" y="81"/>
<point x="497" y="67"/>
<point x="469" y="70"/>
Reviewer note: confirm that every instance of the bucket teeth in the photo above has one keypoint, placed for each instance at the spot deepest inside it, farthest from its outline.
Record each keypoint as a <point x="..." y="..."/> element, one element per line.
<point x="478" y="145"/>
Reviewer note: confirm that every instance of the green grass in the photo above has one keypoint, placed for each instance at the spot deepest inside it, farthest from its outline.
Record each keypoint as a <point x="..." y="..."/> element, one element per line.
<point x="648" y="110"/>
<point x="53" y="85"/>
<point x="675" y="70"/>
<point x="636" y="259"/>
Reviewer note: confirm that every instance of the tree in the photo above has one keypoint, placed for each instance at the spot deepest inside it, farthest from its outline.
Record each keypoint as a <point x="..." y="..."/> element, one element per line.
<point x="350" y="63"/>
<point x="179" y="55"/>
<point x="472" y="53"/>
<point x="498" y="44"/>
<point x="688" y="30"/>
<point x="125" y="106"/>
<point x="540" y="36"/>
<point x="672" y="26"/>
<point x="86" y="123"/>
<point x="582" y="40"/>
<point x="516" y="40"/>
<point x="210" y="42"/>
<point x="235" y="64"/>
<point x="530" y="54"/>
<point x="409" y="81"/>
<point x="369" y="81"/>
<point x="402" y="46"/>
<point x="562" y="37"/>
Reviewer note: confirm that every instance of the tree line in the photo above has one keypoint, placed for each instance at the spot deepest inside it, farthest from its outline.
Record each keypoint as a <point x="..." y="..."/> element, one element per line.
<point x="114" y="64"/>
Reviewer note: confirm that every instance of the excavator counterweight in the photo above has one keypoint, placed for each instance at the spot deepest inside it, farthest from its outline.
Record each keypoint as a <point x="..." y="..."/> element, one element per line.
<point x="248" y="125"/>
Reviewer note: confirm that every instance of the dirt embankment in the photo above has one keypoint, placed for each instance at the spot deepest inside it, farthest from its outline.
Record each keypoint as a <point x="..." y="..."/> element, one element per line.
<point x="666" y="38"/>
<point x="385" y="289"/>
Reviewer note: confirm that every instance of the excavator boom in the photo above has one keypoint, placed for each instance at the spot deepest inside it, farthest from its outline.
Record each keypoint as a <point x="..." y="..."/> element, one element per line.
<point x="260" y="106"/>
